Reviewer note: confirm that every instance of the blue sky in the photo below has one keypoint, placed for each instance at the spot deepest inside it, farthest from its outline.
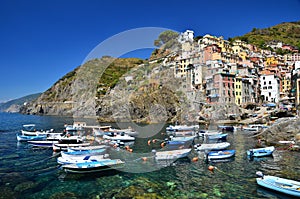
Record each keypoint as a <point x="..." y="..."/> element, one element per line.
<point x="40" y="41"/>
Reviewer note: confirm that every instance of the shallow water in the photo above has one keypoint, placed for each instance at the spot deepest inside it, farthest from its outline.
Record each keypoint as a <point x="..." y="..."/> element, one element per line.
<point x="33" y="173"/>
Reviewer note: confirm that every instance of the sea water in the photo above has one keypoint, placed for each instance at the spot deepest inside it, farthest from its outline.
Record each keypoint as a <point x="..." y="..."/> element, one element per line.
<point x="27" y="172"/>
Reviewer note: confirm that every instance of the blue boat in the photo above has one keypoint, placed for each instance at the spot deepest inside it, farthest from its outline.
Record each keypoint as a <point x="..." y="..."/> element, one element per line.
<point x="25" y="138"/>
<point x="216" y="136"/>
<point x="83" y="153"/>
<point x="261" y="152"/>
<point x="217" y="155"/>
<point x="286" y="186"/>
<point x="94" y="166"/>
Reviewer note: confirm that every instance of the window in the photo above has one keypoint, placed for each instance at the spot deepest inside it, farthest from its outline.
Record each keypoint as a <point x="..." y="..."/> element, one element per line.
<point x="236" y="93"/>
<point x="264" y="78"/>
<point x="269" y="94"/>
<point x="269" y="82"/>
<point x="269" y="87"/>
<point x="265" y="83"/>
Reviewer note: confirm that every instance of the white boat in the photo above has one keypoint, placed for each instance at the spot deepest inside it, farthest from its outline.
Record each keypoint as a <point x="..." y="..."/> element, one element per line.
<point x="87" y="148"/>
<point x="261" y="152"/>
<point x="26" y="138"/>
<point x="182" y="128"/>
<point x="255" y="128"/>
<point x="64" y="147"/>
<point x="118" y="136"/>
<point x="67" y="154"/>
<point x="286" y="186"/>
<point x="30" y="130"/>
<point x="212" y="146"/>
<point x="172" y="154"/>
<point x="81" y="159"/>
<point x="93" y="166"/>
<point x="55" y="139"/>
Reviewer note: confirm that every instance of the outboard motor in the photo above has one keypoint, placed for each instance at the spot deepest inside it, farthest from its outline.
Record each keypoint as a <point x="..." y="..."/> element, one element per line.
<point x="260" y="174"/>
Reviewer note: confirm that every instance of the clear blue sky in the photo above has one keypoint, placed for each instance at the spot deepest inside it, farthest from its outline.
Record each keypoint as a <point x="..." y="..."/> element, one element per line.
<point x="42" y="40"/>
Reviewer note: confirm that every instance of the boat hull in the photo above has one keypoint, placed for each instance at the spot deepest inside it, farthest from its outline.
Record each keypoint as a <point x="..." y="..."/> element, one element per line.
<point x="217" y="155"/>
<point x="289" y="187"/>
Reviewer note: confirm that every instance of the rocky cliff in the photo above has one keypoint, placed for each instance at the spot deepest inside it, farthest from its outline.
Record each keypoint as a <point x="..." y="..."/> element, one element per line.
<point x="118" y="90"/>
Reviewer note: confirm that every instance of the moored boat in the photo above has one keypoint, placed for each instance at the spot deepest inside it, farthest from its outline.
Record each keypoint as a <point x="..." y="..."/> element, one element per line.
<point x="25" y="138"/>
<point x="171" y="154"/>
<point x="261" y="152"/>
<point x="82" y="153"/>
<point x="221" y="136"/>
<point x="283" y="185"/>
<point x="118" y="136"/>
<point x="94" y="166"/>
<point x="182" y="128"/>
<point x="81" y="159"/>
<point x="212" y="146"/>
<point x="224" y="154"/>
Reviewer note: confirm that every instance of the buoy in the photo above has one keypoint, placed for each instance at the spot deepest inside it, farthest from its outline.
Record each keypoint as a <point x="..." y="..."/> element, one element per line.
<point x="130" y="150"/>
<point x="154" y="140"/>
<point x="211" y="168"/>
<point x="144" y="159"/>
<point x="149" y="142"/>
<point x="127" y="148"/>
<point x="162" y="145"/>
<point x="195" y="159"/>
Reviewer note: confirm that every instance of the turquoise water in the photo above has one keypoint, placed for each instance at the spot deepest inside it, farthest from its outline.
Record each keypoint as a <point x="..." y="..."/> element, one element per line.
<point x="33" y="173"/>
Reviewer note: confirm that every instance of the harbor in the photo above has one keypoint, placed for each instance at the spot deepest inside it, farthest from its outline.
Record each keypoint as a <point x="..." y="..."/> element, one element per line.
<point x="28" y="172"/>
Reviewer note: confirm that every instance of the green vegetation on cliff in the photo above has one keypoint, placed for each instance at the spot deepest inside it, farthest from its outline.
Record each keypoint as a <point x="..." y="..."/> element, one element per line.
<point x="288" y="33"/>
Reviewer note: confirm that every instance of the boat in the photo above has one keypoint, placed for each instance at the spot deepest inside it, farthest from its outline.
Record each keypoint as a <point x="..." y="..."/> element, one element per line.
<point x="42" y="143"/>
<point x="94" y="166"/>
<point x="221" y="136"/>
<point x="177" y="128"/>
<point x="87" y="148"/>
<point x="69" y="141"/>
<point x="283" y="185"/>
<point x="212" y="146"/>
<point x="66" y="154"/>
<point x="183" y="139"/>
<point x="81" y="159"/>
<point x="204" y="133"/>
<point x="224" y="154"/>
<point x="30" y="130"/>
<point x="255" y="127"/>
<point x="25" y="138"/>
<point x="260" y="152"/>
<point x="171" y="154"/>
<point x="118" y="136"/>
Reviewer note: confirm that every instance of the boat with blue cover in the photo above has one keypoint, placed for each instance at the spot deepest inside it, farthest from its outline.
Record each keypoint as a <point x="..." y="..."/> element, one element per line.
<point x="82" y="153"/>
<point x="283" y="185"/>
<point x="261" y="152"/>
<point x="224" y="154"/>
<point x="81" y="159"/>
<point x="25" y="138"/>
<point x="94" y="166"/>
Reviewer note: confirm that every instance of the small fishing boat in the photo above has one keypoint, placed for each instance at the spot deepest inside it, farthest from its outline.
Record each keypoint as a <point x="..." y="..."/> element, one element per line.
<point x="81" y="159"/>
<point x="118" y="136"/>
<point x="30" y="130"/>
<point x="87" y="148"/>
<point x="25" y="138"/>
<point x="221" y="136"/>
<point x="171" y="154"/>
<point x="94" y="166"/>
<point x="183" y="139"/>
<point x="224" y="154"/>
<point x="42" y="143"/>
<point x="204" y="133"/>
<point x="177" y="128"/>
<point x="261" y="152"/>
<point x="66" y="154"/>
<point x="286" y="186"/>
<point x="254" y="128"/>
<point x="212" y="146"/>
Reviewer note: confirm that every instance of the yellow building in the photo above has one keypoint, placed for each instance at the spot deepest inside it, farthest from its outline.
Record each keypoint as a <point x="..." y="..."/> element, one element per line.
<point x="271" y="60"/>
<point x="238" y="90"/>
<point x="285" y="85"/>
